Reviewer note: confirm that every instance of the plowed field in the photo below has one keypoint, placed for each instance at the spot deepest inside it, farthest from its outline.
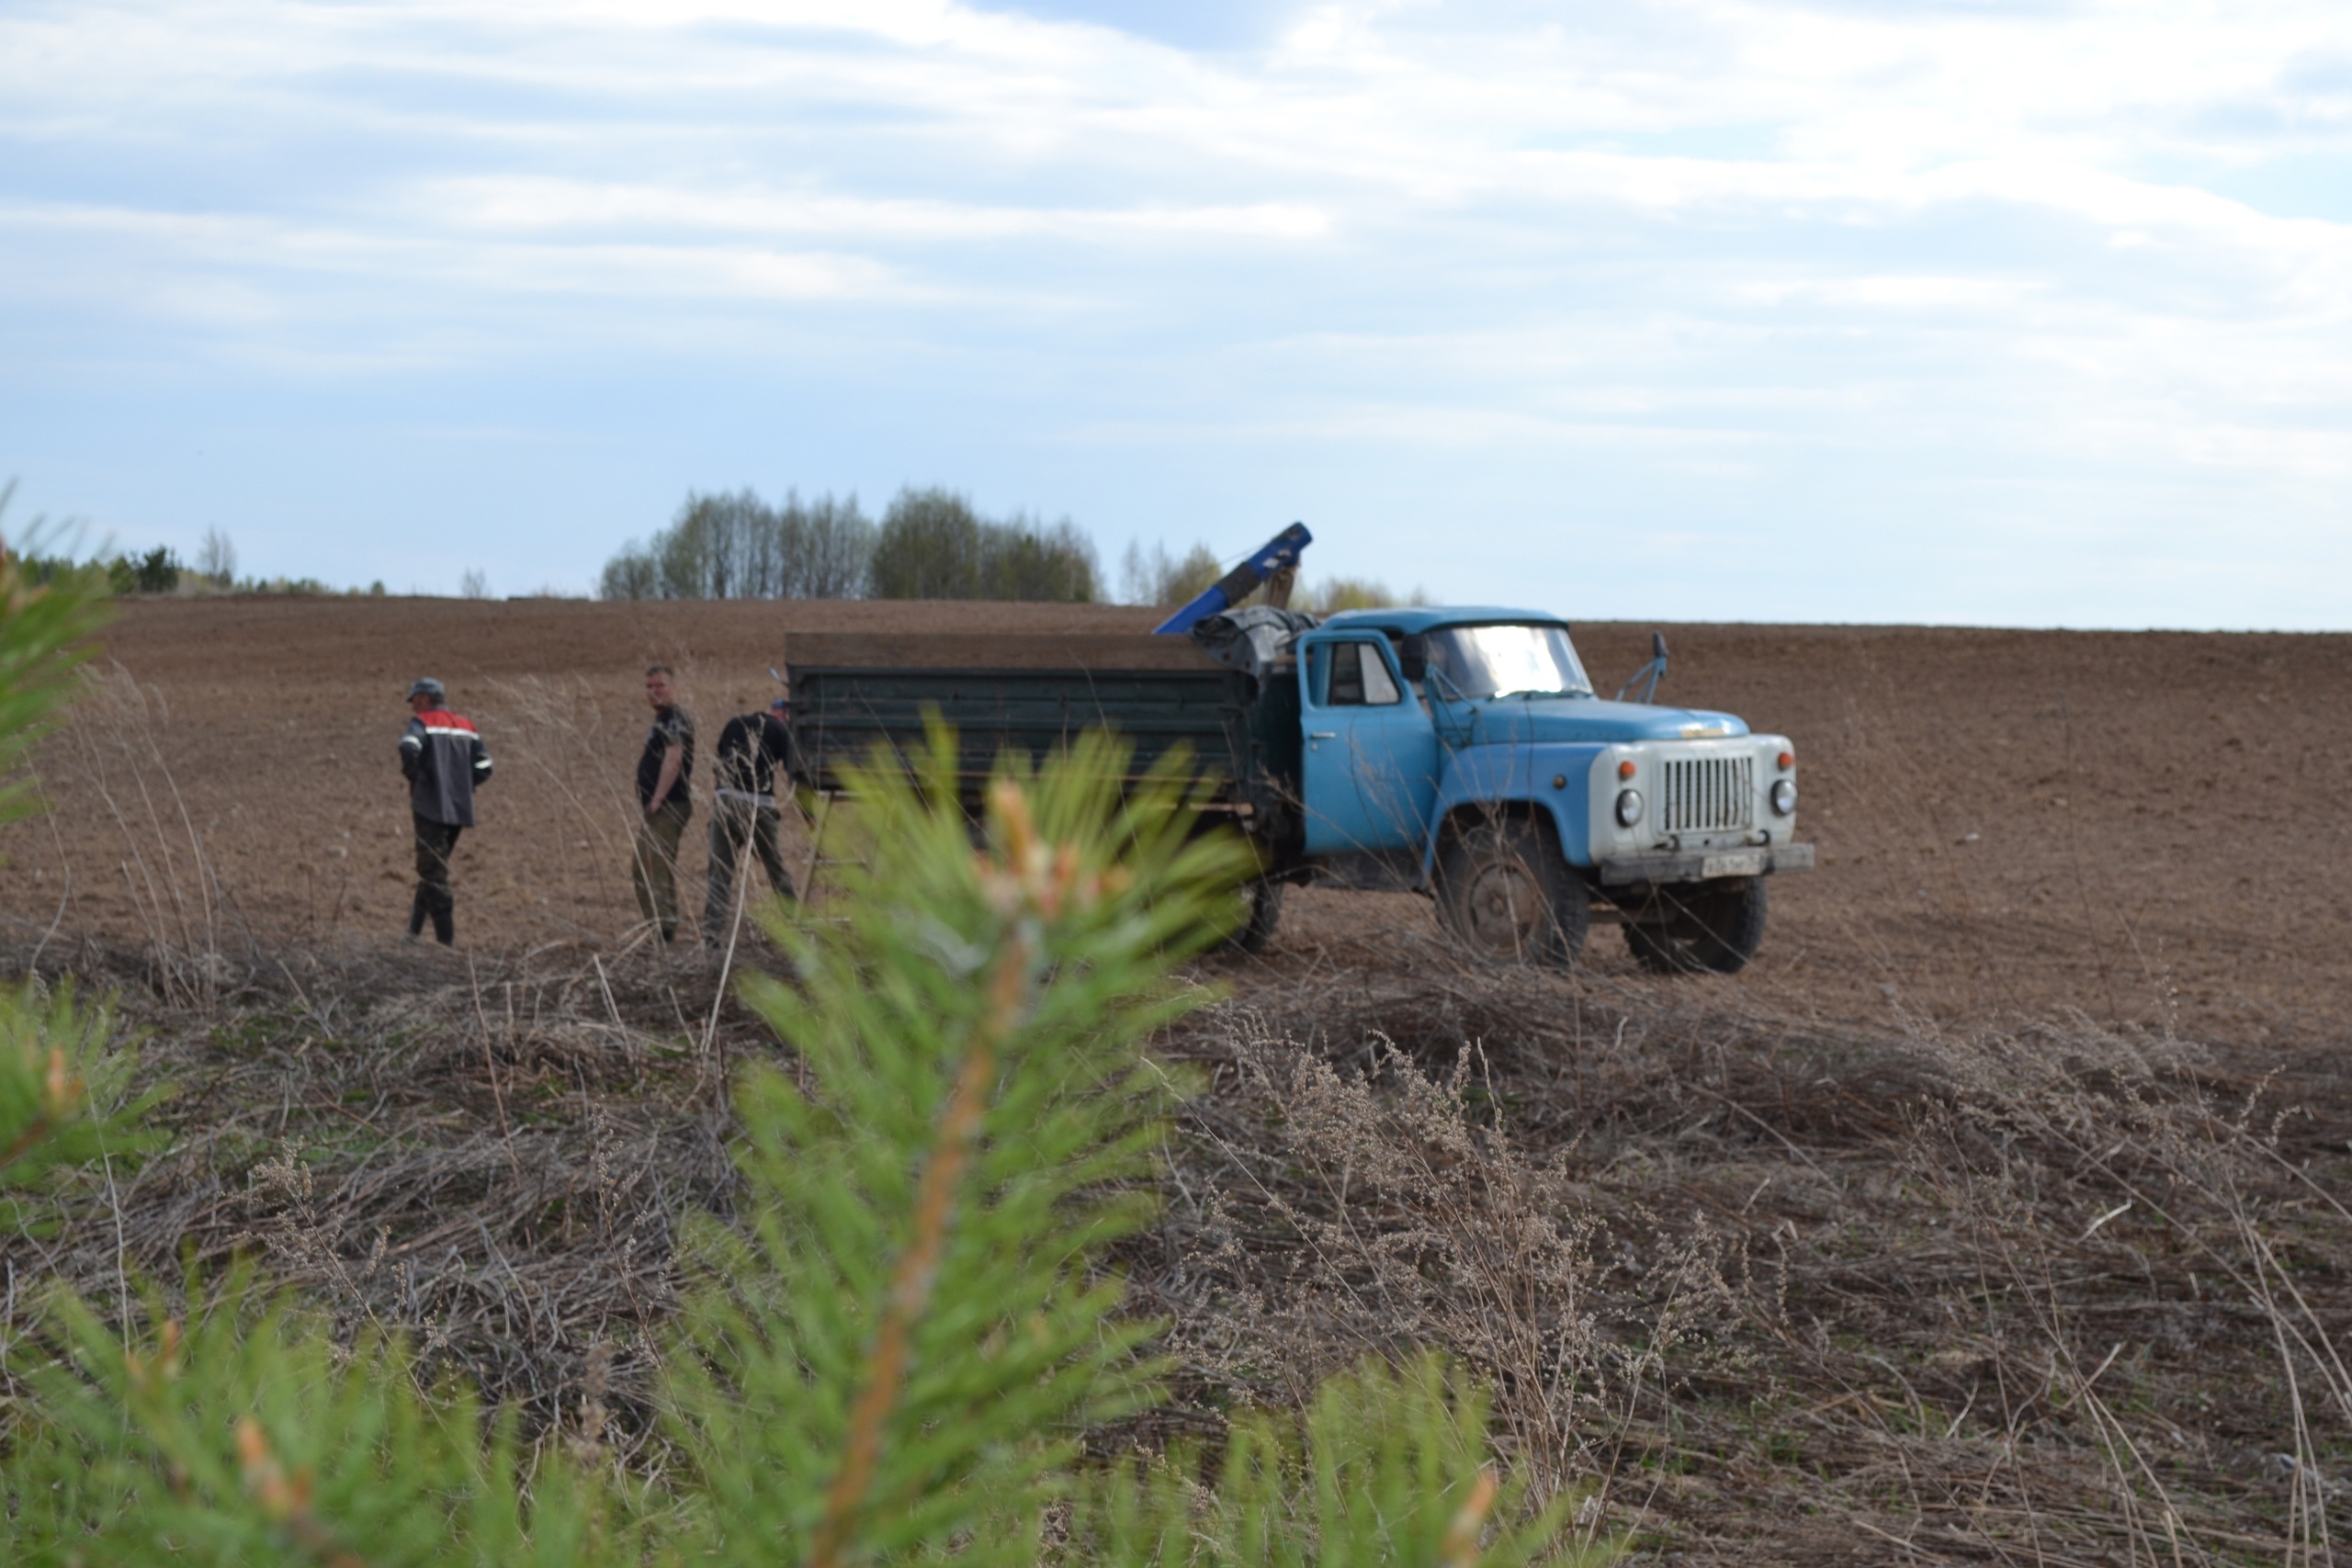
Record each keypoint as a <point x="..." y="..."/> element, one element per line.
<point x="2147" y="827"/>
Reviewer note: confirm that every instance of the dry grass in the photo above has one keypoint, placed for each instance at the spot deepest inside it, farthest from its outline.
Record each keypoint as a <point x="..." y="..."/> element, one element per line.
<point x="1771" y="1291"/>
<point x="1783" y="1293"/>
<point x="490" y="1157"/>
<point x="111" y="754"/>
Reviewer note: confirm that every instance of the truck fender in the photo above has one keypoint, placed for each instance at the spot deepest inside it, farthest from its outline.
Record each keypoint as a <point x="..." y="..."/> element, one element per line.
<point x="1551" y="777"/>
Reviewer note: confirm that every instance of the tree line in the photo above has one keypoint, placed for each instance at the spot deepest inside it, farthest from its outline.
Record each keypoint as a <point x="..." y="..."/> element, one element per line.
<point x="930" y="544"/>
<point x="161" y="571"/>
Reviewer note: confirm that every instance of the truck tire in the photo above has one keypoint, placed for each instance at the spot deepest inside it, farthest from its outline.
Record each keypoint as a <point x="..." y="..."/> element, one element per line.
<point x="1264" y="903"/>
<point x="1504" y="893"/>
<point x="1707" y="928"/>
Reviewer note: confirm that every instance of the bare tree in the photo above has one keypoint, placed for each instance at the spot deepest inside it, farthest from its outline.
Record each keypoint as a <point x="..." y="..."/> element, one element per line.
<point x="829" y="545"/>
<point x="216" y="558"/>
<point x="1153" y="577"/>
<point x="631" y="574"/>
<point x="475" y="584"/>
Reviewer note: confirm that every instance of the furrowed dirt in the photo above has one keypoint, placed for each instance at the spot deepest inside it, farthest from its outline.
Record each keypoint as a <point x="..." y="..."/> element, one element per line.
<point x="1998" y="1213"/>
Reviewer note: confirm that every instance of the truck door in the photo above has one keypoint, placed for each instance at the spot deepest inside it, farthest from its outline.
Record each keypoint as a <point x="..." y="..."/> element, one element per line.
<point x="1370" y="751"/>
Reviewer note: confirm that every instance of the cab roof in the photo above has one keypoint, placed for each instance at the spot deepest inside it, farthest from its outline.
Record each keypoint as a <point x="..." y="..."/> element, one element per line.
<point x="1411" y="619"/>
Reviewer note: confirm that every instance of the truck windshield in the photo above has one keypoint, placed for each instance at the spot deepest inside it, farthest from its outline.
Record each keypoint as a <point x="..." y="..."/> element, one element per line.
<point x="1508" y="660"/>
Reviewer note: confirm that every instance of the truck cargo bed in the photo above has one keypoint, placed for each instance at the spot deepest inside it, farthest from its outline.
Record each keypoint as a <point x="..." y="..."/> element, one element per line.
<point x="1028" y="695"/>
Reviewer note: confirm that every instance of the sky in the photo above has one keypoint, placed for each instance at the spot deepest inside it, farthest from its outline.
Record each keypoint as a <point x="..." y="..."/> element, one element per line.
<point x="1939" y="310"/>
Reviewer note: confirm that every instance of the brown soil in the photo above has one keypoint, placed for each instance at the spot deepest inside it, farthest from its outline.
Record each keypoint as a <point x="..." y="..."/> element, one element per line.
<point x="2145" y="827"/>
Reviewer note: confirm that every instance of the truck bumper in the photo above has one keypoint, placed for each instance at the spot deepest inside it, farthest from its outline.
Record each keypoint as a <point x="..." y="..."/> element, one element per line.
<point x="1704" y="865"/>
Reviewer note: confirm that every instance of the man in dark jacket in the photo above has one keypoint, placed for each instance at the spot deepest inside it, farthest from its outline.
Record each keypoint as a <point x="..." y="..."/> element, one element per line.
<point x="445" y="762"/>
<point x="754" y="754"/>
<point x="664" y="769"/>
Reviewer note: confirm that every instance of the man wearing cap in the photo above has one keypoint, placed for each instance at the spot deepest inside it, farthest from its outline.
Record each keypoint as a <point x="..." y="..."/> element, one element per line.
<point x="445" y="762"/>
<point x="754" y="752"/>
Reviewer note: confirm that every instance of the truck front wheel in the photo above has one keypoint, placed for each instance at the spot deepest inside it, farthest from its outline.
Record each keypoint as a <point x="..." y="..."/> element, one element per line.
<point x="1699" y="928"/>
<point x="1505" y="893"/>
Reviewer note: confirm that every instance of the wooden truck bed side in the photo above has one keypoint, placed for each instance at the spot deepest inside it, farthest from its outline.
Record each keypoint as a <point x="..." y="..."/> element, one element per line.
<point x="1027" y="694"/>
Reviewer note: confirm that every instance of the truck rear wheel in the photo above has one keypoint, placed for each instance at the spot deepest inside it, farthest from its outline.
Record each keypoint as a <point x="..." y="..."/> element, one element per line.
<point x="1699" y="928"/>
<point x="1505" y="893"/>
<point x="1263" y="902"/>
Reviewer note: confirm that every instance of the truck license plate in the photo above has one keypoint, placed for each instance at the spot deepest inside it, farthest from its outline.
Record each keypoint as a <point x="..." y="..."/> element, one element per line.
<point x="1745" y="863"/>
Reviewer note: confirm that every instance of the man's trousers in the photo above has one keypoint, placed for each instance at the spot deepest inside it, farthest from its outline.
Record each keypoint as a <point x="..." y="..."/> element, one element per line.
<point x="734" y="826"/>
<point x="653" y="864"/>
<point x="435" y="842"/>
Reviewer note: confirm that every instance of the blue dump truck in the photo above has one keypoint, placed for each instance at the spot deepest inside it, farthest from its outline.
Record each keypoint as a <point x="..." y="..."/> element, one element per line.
<point x="1460" y="753"/>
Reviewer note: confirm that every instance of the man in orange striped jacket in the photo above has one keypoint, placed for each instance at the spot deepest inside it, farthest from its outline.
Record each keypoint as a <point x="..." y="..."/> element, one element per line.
<point x="444" y="760"/>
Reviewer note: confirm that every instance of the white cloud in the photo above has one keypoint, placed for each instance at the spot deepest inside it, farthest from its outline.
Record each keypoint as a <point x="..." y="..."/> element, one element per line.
<point x="528" y="205"/>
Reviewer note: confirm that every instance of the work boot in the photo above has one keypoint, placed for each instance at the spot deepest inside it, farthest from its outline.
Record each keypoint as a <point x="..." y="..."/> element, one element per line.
<point x="445" y="928"/>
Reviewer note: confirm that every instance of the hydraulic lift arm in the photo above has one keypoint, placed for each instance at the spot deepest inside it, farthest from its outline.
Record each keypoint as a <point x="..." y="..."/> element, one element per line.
<point x="1277" y="555"/>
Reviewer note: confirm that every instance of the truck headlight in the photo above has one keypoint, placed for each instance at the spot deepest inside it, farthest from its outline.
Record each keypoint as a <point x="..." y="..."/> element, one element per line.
<point x="1628" y="808"/>
<point x="1784" y="796"/>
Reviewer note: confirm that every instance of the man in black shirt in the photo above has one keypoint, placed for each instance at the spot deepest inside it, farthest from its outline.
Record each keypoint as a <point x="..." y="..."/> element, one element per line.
<point x="663" y="772"/>
<point x="754" y="753"/>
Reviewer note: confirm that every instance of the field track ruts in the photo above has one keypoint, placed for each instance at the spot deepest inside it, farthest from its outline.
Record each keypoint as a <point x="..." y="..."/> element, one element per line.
<point x="2151" y="827"/>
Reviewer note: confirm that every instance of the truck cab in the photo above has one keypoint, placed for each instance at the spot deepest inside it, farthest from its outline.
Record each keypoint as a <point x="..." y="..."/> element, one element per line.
<point x="1465" y="752"/>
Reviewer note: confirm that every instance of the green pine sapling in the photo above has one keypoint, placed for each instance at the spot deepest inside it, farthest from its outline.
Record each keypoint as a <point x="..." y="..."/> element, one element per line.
<point x="911" y="1308"/>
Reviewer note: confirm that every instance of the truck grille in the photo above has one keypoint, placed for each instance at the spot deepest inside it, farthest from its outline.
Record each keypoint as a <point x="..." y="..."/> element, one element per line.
<point x="1705" y="794"/>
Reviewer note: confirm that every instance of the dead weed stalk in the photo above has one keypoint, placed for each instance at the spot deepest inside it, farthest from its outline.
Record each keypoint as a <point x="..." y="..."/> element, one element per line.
<point x="111" y="751"/>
